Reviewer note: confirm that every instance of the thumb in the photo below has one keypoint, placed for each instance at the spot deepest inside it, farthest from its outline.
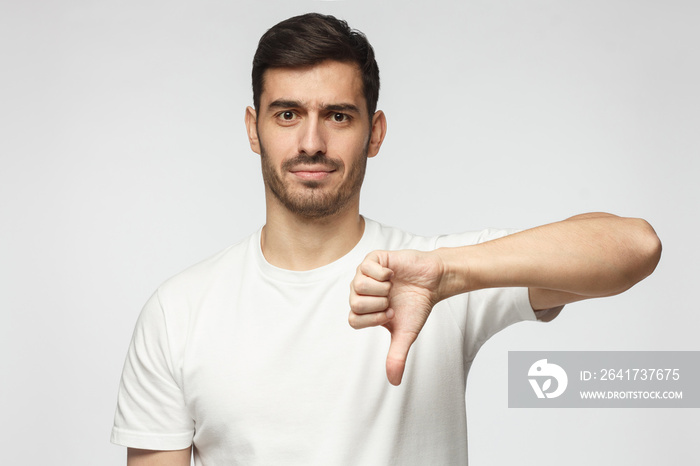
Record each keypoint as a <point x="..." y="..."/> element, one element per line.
<point x="398" y="352"/>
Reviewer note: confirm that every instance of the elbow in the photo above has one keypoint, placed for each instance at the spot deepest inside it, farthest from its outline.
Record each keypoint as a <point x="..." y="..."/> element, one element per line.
<point x="639" y="253"/>
<point x="647" y="249"/>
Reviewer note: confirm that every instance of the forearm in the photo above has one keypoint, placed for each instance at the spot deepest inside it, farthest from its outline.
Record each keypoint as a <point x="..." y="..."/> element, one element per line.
<point x="585" y="256"/>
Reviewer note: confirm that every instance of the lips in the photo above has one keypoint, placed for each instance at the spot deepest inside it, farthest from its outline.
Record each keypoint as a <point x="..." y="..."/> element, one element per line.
<point x="312" y="172"/>
<point x="316" y="167"/>
<point x="312" y="168"/>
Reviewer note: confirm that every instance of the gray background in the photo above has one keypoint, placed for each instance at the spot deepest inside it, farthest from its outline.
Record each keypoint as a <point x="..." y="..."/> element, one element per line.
<point x="124" y="160"/>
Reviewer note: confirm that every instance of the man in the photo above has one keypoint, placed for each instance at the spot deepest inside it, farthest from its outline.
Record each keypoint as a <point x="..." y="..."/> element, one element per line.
<point x="247" y="358"/>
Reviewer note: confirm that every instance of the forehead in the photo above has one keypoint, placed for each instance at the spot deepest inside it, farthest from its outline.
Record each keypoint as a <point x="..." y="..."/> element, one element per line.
<point x="327" y="83"/>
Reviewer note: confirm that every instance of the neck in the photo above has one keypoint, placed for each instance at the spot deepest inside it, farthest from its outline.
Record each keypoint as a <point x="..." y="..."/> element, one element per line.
<point x="299" y="243"/>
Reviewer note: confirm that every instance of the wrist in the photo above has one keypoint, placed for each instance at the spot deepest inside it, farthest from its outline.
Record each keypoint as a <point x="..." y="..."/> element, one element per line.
<point x="458" y="271"/>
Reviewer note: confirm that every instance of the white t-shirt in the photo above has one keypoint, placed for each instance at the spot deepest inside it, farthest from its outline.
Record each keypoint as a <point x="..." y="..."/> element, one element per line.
<point x="256" y="365"/>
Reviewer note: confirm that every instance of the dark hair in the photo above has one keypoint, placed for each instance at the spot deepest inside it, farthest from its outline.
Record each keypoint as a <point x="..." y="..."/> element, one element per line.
<point x="310" y="39"/>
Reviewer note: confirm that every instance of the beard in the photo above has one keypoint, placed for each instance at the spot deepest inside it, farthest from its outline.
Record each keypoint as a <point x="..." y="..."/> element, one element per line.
<point x="313" y="199"/>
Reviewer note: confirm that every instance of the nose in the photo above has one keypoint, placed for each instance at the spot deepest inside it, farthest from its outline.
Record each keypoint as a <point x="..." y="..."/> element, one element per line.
<point x="312" y="139"/>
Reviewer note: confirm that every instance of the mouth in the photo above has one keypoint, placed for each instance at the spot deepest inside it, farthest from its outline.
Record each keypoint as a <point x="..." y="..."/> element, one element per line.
<point x="312" y="172"/>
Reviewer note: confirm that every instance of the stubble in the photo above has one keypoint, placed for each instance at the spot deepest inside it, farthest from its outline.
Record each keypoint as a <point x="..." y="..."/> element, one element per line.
<point x="313" y="199"/>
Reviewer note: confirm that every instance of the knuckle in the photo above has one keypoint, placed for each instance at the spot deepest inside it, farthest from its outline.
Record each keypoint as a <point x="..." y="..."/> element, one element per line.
<point x="361" y="287"/>
<point x="364" y="268"/>
<point x="385" y="303"/>
<point x="353" y="321"/>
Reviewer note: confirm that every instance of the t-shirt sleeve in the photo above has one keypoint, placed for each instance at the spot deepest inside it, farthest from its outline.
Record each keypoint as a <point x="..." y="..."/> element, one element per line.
<point x="483" y="313"/>
<point x="151" y="411"/>
<point x="488" y="312"/>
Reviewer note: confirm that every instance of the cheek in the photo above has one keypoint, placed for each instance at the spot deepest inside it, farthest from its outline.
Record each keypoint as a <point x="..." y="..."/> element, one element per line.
<point x="350" y="145"/>
<point x="277" y="147"/>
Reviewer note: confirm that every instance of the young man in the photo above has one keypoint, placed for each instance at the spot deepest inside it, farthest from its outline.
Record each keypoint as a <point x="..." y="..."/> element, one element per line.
<point x="248" y="358"/>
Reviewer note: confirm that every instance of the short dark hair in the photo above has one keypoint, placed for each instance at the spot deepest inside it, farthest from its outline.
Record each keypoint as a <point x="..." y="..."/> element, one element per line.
<point x="309" y="39"/>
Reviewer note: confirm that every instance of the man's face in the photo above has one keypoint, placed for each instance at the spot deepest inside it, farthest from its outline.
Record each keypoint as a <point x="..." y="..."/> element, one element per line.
<point x="313" y="134"/>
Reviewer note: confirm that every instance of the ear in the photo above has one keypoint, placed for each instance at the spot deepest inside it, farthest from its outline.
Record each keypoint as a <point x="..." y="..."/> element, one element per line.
<point x="251" y="126"/>
<point x="377" y="133"/>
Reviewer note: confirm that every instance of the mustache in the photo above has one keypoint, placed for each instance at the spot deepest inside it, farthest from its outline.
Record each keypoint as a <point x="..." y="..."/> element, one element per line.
<point x="316" y="159"/>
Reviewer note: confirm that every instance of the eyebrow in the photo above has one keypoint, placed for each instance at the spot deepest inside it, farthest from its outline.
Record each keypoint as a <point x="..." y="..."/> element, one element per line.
<point x="282" y="103"/>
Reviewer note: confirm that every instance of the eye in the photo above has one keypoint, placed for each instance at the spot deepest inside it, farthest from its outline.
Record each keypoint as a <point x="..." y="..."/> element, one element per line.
<point x="340" y="117"/>
<point x="286" y="117"/>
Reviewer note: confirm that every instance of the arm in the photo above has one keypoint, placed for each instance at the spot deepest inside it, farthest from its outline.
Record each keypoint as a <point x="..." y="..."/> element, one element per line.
<point x="136" y="457"/>
<point x="586" y="256"/>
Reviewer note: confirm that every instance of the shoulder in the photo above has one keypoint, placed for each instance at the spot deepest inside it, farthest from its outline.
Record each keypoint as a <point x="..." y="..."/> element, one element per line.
<point x="391" y="238"/>
<point x="205" y="275"/>
<point x="177" y="301"/>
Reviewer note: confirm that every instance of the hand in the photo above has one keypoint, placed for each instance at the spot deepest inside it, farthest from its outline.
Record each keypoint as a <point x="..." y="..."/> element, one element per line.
<point x="396" y="289"/>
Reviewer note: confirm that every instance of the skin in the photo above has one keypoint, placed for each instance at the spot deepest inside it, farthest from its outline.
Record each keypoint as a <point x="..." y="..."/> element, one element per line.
<point x="314" y="136"/>
<point x="586" y="256"/>
<point x="136" y="457"/>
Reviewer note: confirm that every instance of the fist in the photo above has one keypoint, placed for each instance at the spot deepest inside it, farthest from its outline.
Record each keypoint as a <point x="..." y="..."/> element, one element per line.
<point x="396" y="289"/>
